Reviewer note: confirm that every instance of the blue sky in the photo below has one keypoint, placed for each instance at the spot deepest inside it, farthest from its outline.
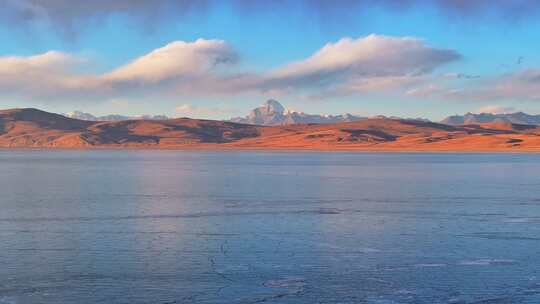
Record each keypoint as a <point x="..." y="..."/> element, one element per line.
<point x="464" y="57"/>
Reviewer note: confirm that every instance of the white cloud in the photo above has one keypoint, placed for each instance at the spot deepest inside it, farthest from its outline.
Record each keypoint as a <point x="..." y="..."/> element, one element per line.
<point x="209" y="67"/>
<point x="45" y="75"/>
<point x="424" y="91"/>
<point x="380" y="84"/>
<point x="368" y="60"/>
<point x="496" y="109"/>
<point x="176" y="59"/>
<point x="200" y="112"/>
<point x="70" y="19"/>
<point x="460" y="76"/>
<point x="52" y="61"/>
<point x="521" y="85"/>
<point x="56" y="75"/>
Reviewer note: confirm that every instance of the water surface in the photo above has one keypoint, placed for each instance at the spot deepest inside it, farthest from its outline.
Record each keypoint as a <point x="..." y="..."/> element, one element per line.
<point x="253" y="227"/>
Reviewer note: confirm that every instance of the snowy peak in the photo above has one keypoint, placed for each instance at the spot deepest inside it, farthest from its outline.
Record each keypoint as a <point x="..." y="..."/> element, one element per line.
<point x="113" y="117"/>
<point x="519" y="118"/>
<point x="81" y="115"/>
<point x="271" y="106"/>
<point x="272" y="113"/>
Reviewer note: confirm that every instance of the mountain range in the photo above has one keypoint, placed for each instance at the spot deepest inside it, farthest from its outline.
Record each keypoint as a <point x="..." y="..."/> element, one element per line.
<point x="113" y="117"/>
<point x="482" y="118"/>
<point x="32" y="128"/>
<point x="272" y="113"/>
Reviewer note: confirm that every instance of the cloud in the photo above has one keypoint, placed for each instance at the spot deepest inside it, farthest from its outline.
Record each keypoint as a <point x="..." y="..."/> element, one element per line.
<point x="510" y="10"/>
<point x="503" y="8"/>
<point x="176" y="59"/>
<point x="523" y="85"/>
<point x="179" y="65"/>
<point x="211" y="67"/>
<point x="52" y="60"/>
<point x="371" y="64"/>
<point x="70" y="17"/>
<point x="424" y="91"/>
<point x="200" y="112"/>
<point x="465" y="8"/>
<point x="496" y="109"/>
<point x="385" y="85"/>
<point x="43" y="75"/>
<point x="365" y="64"/>
<point x="371" y="56"/>
<point x="461" y="76"/>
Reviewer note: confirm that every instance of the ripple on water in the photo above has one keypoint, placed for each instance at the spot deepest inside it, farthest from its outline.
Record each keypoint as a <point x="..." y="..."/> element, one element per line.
<point x="430" y="265"/>
<point x="506" y="236"/>
<point x="7" y="300"/>
<point x="487" y="262"/>
<point x="521" y="220"/>
<point x="287" y="282"/>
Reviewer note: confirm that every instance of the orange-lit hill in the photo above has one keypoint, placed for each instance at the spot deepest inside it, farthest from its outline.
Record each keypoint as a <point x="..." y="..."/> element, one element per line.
<point x="32" y="128"/>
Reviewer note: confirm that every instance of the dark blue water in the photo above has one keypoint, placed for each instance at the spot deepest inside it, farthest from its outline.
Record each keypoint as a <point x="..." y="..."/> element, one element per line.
<point x="251" y="227"/>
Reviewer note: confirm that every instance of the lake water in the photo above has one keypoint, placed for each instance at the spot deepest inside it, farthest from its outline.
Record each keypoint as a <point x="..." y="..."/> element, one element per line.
<point x="253" y="227"/>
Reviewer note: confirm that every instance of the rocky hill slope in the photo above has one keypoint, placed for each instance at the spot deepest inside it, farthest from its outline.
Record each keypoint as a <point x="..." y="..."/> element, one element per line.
<point x="31" y="128"/>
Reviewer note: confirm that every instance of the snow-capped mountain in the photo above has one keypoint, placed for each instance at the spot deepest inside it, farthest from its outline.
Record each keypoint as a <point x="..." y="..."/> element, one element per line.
<point x="113" y="117"/>
<point x="272" y="113"/>
<point x="471" y="118"/>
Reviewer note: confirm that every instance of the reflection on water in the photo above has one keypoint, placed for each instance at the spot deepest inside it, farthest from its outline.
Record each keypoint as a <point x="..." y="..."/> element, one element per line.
<point x="252" y="227"/>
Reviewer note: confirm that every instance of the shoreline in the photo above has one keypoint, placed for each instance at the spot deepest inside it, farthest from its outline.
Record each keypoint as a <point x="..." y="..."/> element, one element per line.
<point x="279" y="149"/>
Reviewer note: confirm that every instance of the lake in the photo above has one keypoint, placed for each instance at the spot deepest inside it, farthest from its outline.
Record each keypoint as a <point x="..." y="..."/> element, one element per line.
<point x="256" y="227"/>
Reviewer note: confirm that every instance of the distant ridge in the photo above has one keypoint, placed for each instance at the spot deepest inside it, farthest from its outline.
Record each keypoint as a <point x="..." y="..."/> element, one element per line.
<point x="272" y="113"/>
<point x="113" y="117"/>
<point x="482" y="118"/>
<point x="32" y="128"/>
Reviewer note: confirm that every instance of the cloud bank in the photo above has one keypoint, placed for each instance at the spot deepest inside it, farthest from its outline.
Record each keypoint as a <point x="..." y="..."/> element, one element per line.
<point x="402" y="66"/>
<point x="69" y="18"/>
<point x="176" y="59"/>
<point x="206" y="67"/>
<point x="496" y="109"/>
<point x="58" y="76"/>
<point x="362" y="65"/>
<point x="42" y="75"/>
<point x="189" y="110"/>
<point x="521" y="85"/>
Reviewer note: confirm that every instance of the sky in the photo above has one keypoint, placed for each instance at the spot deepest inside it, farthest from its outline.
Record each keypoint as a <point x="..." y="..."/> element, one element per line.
<point x="219" y="59"/>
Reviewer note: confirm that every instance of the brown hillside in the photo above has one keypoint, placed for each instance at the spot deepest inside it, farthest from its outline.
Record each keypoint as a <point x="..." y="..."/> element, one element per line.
<point x="34" y="128"/>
